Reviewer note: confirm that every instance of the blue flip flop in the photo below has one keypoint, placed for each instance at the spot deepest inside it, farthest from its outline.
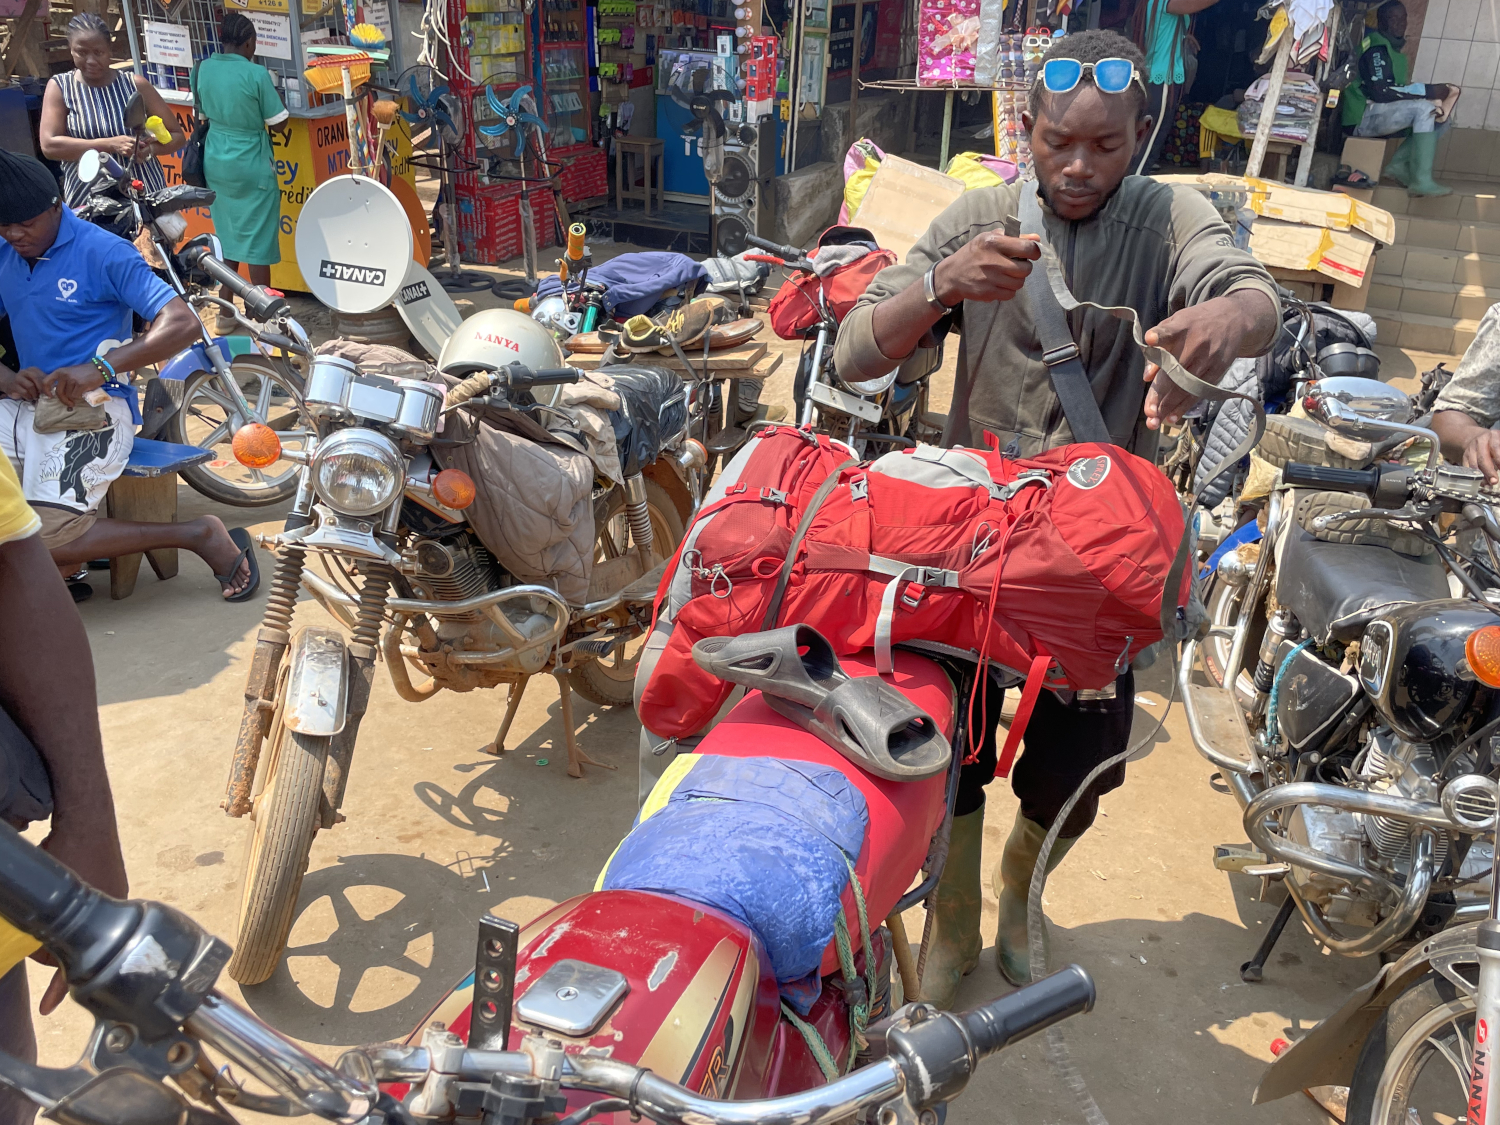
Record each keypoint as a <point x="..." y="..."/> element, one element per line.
<point x="242" y="540"/>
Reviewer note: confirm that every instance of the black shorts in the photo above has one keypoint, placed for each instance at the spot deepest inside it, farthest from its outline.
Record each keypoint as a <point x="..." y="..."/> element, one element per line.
<point x="1063" y="742"/>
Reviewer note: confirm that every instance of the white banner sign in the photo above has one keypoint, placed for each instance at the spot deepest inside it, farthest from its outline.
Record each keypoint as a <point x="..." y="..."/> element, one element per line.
<point x="273" y="35"/>
<point x="168" y="44"/>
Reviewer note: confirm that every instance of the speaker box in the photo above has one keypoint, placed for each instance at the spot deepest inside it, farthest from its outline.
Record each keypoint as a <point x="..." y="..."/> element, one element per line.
<point x="743" y="200"/>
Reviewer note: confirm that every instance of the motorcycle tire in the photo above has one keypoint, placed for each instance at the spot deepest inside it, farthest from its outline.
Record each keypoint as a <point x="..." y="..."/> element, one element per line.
<point x="1400" y="1048"/>
<point x="286" y="814"/>
<point x="201" y="425"/>
<point x="1223" y="609"/>
<point x="610" y="680"/>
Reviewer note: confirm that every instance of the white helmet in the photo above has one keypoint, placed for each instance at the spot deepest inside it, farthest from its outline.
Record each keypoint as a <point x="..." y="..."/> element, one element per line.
<point x="496" y="338"/>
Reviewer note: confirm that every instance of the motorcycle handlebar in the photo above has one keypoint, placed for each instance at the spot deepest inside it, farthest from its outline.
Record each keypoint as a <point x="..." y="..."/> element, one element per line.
<point x="522" y="379"/>
<point x="781" y="250"/>
<point x="998" y="1024"/>
<point x="1299" y="475"/>
<point x="259" y="304"/>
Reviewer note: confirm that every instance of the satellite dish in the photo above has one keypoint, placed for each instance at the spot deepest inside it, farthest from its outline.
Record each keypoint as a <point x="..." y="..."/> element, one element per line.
<point x="88" y="166"/>
<point x="353" y="244"/>
<point x="427" y="309"/>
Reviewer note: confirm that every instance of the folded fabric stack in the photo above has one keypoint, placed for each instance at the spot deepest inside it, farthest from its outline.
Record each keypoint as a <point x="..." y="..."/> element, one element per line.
<point x="1296" y="109"/>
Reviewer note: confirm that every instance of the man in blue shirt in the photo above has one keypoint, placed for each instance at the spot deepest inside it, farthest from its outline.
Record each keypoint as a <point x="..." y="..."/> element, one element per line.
<point x="69" y="289"/>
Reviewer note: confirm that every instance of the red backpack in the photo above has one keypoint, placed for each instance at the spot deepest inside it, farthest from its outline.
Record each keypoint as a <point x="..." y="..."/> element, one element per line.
<point x="1052" y="566"/>
<point x="794" y="309"/>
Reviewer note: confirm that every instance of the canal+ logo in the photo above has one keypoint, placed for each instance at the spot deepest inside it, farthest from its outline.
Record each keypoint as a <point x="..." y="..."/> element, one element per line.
<point x="359" y="275"/>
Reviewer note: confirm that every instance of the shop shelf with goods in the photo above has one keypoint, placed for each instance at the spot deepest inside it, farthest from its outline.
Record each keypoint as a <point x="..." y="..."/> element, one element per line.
<point x="167" y="44"/>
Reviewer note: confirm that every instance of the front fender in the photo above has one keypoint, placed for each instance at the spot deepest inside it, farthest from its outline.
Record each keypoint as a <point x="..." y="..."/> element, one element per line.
<point x="194" y="359"/>
<point x="1326" y="1055"/>
<point x="317" y="683"/>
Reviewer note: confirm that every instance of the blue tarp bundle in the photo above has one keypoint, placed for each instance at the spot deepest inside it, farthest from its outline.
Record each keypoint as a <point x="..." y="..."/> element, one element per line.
<point x="761" y="839"/>
<point x="634" y="283"/>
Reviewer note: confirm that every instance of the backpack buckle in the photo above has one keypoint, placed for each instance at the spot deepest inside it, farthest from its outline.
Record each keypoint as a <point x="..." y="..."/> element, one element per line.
<point x="921" y="577"/>
<point x="859" y="488"/>
<point x="1060" y="355"/>
<point x="775" y="495"/>
<point x="1030" y="476"/>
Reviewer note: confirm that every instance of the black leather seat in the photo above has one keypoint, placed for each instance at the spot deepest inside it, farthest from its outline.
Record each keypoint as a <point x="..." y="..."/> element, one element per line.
<point x="653" y="411"/>
<point x="1335" y="589"/>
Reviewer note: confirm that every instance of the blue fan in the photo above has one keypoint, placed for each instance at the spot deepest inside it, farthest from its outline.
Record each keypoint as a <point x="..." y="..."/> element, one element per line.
<point x="513" y="116"/>
<point x="429" y="108"/>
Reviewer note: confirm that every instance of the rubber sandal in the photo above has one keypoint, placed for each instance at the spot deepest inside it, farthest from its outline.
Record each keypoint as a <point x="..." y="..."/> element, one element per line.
<point x="863" y="718"/>
<point x="242" y="540"/>
<point x="81" y="591"/>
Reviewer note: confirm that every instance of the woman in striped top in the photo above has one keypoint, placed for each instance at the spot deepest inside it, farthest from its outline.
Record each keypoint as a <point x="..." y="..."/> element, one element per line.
<point x="84" y="108"/>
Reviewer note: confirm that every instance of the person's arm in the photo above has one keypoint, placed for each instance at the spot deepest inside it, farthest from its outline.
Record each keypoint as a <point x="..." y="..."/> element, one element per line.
<point x="156" y="106"/>
<point x="1377" y="77"/>
<point x="274" y="114"/>
<point x="47" y="688"/>
<point x="1223" y="306"/>
<point x="52" y="132"/>
<point x="975" y="261"/>
<point x="1469" y="405"/>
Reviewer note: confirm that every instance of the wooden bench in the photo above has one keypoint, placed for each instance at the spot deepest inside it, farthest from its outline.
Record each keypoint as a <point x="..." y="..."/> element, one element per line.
<point x="147" y="493"/>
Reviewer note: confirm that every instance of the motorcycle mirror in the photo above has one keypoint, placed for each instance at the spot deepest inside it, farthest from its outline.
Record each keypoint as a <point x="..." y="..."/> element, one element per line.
<point x="88" y="166"/>
<point x="135" y="112"/>
<point x="1357" y="407"/>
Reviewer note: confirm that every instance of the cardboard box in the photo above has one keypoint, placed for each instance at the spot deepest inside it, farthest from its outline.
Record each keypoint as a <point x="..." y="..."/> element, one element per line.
<point x="1310" y="285"/>
<point x="1328" y="209"/>
<point x="1362" y="194"/>
<point x="902" y="200"/>
<point x="1367" y="154"/>
<point x="1342" y="255"/>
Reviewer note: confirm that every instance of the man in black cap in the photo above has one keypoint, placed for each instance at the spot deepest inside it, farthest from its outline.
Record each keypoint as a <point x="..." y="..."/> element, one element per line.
<point x="69" y="289"/>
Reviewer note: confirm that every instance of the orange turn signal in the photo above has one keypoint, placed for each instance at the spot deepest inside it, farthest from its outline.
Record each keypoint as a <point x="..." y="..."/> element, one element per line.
<point x="256" y="446"/>
<point x="453" y="489"/>
<point x="1483" y="650"/>
<point x="523" y="305"/>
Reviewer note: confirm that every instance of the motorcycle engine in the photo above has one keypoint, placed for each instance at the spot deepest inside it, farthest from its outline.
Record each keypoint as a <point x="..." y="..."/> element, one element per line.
<point x="1393" y="766"/>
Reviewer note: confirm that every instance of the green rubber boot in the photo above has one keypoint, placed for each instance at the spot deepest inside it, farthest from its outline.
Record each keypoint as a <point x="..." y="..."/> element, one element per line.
<point x="1399" y="169"/>
<point x="956" y="940"/>
<point x="1012" y="881"/>
<point x="1423" y="150"/>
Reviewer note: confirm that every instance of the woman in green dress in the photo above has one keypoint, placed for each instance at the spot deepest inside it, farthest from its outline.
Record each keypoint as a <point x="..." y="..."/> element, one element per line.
<point x="236" y="96"/>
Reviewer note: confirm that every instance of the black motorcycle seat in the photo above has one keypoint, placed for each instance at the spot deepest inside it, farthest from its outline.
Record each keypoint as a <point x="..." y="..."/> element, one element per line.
<point x="1336" y="589"/>
<point x="179" y="197"/>
<point x="653" y="411"/>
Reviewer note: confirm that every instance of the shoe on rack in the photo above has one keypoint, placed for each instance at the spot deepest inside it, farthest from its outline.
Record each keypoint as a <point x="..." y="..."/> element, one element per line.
<point x="642" y="334"/>
<point x="687" y="323"/>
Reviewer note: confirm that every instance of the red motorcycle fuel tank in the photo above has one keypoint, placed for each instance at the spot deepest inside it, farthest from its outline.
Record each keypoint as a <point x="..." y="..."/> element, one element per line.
<point x="701" y="1005"/>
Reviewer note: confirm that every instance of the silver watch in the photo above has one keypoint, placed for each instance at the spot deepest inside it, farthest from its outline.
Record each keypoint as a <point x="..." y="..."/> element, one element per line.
<point x="929" y="290"/>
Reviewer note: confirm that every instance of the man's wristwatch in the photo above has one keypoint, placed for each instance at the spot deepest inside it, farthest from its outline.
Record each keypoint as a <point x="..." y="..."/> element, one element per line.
<point x="929" y="290"/>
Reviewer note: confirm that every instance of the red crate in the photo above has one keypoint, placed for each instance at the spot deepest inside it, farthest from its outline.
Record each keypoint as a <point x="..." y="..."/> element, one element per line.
<point x="490" y="221"/>
<point x="585" y="176"/>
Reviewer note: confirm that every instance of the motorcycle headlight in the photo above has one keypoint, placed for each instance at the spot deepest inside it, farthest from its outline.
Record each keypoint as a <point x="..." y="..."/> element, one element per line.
<point x="871" y="386"/>
<point x="358" y="472"/>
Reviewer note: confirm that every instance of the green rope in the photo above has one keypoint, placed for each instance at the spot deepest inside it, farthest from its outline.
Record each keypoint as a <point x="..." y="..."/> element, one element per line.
<point x="859" y="1014"/>
<point x="814" y="1042"/>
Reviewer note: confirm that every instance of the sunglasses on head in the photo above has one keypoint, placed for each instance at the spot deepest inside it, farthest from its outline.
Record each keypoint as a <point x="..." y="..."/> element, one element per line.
<point x="1111" y="76"/>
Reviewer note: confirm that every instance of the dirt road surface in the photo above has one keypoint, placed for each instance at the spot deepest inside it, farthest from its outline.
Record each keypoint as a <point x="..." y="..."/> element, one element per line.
<point x="438" y="833"/>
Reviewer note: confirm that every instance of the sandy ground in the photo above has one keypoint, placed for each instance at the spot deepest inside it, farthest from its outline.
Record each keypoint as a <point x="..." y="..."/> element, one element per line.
<point x="437" y="833"/>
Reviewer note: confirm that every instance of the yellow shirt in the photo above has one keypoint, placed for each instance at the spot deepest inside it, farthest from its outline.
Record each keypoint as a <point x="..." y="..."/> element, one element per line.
<point x="17" y="520"/>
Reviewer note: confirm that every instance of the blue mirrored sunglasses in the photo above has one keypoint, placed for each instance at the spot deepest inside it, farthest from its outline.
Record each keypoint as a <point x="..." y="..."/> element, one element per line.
<point x="1112" y="76"/>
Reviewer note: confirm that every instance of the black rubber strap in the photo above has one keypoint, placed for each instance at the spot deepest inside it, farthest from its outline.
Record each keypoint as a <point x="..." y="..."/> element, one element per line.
<point x="773" y="611"/>
<point x="1059" y="350"/>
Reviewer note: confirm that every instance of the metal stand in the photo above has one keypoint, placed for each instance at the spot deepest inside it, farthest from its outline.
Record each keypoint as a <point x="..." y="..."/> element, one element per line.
<point x="1252" y="971"/>
<point x="576" y="757"/>
<point x="512" y="705"/>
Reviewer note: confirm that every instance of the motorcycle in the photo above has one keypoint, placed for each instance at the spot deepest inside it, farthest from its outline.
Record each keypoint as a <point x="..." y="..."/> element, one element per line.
<point x="1340" y="705"/>
<point x="406" y="574"/>
<point x="207" y="392"/>
<point x="888" y="411"/>
<point x="166" y="1044"/>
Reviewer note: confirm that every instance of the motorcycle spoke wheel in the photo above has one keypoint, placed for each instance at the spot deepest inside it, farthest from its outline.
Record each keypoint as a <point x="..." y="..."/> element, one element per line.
<point x="209" y="419"/>
<point x="1223" y="609"/>
<point x="609" y="680"/>
<point x="287" y="813"/>
<point x="1427" y="1077"/>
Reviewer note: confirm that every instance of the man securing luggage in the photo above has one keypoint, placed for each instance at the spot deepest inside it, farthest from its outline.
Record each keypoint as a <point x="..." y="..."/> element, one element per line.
<point x="1121" y="241"/>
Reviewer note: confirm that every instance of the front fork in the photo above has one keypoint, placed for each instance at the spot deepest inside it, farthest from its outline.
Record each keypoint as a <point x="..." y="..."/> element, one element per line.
<point x="1483" y="1110"/>
<point x="814" y="373"/>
